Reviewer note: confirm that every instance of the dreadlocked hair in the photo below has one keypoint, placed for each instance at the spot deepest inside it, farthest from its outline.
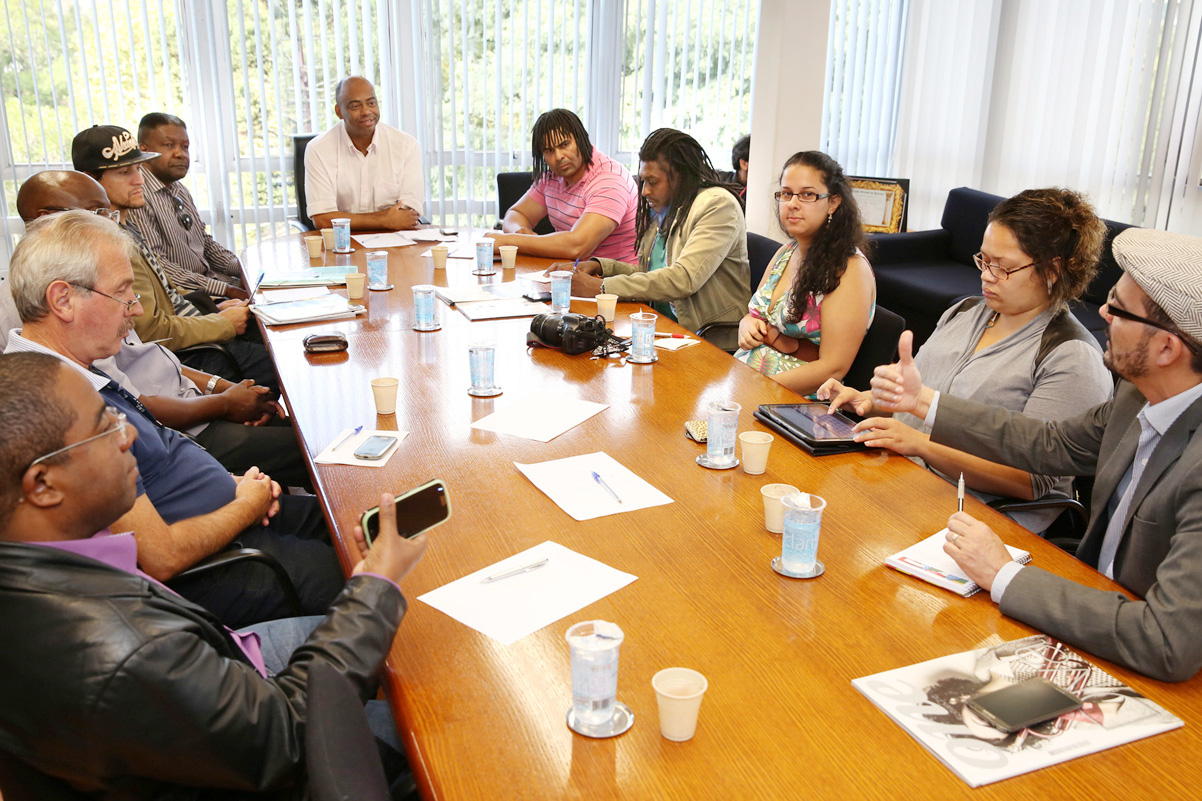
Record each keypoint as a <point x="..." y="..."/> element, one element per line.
<point x="685" y="162"/>
<point x="551" y="126"/>
<point x="836" y="241"/>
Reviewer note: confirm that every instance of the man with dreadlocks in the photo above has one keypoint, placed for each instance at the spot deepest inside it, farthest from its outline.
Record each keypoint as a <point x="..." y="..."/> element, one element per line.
<point x="589" y="198"/>
<point x="692" y="259"/>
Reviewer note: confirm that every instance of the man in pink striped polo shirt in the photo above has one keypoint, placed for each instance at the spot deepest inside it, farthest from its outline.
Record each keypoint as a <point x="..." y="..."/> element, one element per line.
<point x="590" y="198"/>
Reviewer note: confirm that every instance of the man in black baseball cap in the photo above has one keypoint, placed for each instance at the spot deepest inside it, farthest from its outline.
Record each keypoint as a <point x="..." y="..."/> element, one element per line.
<point x="111" y="155"/>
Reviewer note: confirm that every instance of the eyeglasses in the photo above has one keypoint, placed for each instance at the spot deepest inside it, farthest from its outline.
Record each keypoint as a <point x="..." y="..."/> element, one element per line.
<point x="998" y="273"/>
<point x="119" y="428"/>
<point x="1115" y="310"/>
<point x="112" y="214"/>
<point x="181" y="213"/>
<point x="128" y="304"/>
<point x="785" y="196"/>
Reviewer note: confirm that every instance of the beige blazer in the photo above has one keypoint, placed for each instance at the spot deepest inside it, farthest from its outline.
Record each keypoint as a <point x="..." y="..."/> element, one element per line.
<point x="706" y="273"/>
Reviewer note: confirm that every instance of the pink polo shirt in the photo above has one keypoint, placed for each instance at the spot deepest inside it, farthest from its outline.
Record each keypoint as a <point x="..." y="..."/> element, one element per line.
<point x="606" y="189"/>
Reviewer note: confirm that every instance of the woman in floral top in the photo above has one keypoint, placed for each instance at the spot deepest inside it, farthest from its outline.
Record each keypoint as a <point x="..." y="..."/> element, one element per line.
<point x="806" y="320"/>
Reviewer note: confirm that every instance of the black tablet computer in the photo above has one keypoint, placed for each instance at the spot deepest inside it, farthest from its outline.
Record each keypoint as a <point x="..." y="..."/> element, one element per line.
<point x="814" y="423"/>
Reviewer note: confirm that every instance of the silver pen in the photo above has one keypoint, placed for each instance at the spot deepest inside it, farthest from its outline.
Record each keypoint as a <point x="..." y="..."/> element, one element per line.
<point x="517" y="571"/>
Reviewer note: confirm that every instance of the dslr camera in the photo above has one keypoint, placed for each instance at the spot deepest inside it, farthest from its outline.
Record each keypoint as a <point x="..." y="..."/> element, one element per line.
<point x="571" y="333"/>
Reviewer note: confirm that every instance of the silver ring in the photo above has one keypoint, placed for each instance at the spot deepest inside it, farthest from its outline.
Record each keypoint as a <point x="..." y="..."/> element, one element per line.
<point x="952" y="537"/>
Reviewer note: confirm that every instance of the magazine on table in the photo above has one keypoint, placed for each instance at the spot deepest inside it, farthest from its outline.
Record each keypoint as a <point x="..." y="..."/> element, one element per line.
<point x="325" y="307"/>
<point x="928" y="700"/>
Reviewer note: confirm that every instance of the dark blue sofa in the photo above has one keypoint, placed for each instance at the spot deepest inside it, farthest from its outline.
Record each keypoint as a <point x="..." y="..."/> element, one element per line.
<point x="919" y="274"/>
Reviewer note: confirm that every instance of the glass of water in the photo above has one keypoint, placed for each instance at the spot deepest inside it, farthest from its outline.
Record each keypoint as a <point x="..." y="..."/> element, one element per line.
<point x="342" y="234"/>
<point x="561" y="291"/>
<point x="425" y="309"/>
<point x="594" y="645"/>
<point x="642" y="338"/>
<point x="482" y="360"/>
<point x="484" y="264"/>
<point x="377" y="269"/>
<point x="722" y="429"/>
<point x="799" y="543"/>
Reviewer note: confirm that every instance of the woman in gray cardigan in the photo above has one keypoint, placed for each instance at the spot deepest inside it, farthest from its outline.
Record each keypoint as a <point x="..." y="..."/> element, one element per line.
<point x="692" y="240"/>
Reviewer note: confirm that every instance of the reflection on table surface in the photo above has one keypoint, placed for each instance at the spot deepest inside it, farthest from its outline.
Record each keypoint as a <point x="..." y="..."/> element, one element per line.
<point x="781" y="718"/>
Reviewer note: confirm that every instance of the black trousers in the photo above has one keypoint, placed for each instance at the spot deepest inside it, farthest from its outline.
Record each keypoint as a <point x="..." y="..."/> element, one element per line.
<point x="235" y="360"/>
<point x="272" y="448"/>
<point x="245" y="593"/>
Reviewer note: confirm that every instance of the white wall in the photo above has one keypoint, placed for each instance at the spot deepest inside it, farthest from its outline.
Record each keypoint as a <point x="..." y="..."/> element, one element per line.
<point x="786" y="112"/>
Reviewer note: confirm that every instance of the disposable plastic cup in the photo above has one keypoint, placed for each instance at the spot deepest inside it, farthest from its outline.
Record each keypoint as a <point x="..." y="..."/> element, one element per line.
<point x="342" y="234"/>
<point x="484" y="263"/>
<point x="327" y="238"/>
<point x="384" y="391"/>
<point x="594" y="645"/>
<point x="509" y="256"/>
<point x="802" y="525"/>
<point x="561" y="291"/>
<point x="355" y="282"/>
<point x="425" y="309"/>
<point x="314" y="244"/>
<point x="607" y="306"/>
<point x="642" y="338"/>
<point x="679" y="692"/>
<point x="722" y="424"/>
<point x="774" y="508"/>
<point x="377" y="269"/>
<point x="439" y="254"/>
<point x="755" y="446"/>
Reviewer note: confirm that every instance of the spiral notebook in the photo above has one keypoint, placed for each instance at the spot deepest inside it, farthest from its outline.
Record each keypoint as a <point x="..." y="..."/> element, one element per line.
<point x="926" y="560"/>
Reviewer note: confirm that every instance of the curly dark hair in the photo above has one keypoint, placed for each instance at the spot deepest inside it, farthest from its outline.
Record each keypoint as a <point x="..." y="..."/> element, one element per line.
<point x="33" y="419"/>
<point x="564" y="123"/>
<point x="834" y="244"/>
<point x="1052" y="224"/>
<point x="687" y="163"/>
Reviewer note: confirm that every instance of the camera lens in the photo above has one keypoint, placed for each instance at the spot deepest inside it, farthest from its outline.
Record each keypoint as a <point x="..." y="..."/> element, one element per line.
<point x="548" y="328"/>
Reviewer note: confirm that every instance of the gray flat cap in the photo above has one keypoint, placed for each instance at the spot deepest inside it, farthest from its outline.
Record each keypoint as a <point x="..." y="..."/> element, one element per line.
<point x="1168" y="267"/>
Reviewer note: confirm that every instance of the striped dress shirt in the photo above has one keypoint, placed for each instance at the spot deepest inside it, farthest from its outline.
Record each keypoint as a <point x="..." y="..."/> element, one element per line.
<point x="187" y="254"/>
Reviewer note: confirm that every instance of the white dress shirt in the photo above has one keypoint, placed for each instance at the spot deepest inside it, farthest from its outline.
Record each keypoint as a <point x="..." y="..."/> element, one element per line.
<point x="338" y="178"/>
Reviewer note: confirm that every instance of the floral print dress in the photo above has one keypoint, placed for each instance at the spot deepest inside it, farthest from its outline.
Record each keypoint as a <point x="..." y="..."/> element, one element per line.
<point x="765" y="358"/>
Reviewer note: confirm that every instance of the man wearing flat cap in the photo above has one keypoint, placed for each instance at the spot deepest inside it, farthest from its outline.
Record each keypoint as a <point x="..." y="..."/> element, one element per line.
<point x="1145" y="449"/>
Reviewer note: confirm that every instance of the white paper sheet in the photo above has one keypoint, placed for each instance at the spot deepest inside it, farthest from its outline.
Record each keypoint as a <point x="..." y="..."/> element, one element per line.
<point x="345" y="452"/>
<point x="570" y="483"/>
<point x="510" y="608"/>
<point x="389" y="240"/>
<point x="539" y="416"/>
<point x="669" y="343"/>
<point x="454" y="253"/>
<point x="301" y="293"/>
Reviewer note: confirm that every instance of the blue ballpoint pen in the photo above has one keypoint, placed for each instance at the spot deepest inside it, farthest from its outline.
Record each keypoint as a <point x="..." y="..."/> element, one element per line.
<point x="605" y="486"/>
<point x="344" y="439"/>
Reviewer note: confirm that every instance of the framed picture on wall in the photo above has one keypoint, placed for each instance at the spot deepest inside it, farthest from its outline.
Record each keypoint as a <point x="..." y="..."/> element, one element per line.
<point x="882" y="203"/>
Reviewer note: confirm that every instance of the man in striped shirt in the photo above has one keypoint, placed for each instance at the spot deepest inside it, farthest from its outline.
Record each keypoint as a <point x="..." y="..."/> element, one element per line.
<point x="170" y="222"/>
<point x="590" y="198"/>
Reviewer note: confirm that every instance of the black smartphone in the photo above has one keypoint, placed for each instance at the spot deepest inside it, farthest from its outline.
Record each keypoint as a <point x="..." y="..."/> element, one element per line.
<point x="375" y="447"/>
<point x="418" y="510"/>
<point x="1024" y="704"/>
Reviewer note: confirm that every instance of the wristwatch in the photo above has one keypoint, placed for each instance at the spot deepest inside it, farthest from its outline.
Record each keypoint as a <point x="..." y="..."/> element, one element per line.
<point x="212" y="385"/>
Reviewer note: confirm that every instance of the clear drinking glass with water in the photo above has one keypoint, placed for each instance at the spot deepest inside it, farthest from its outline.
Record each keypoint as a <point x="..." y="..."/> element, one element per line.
<point x="803" y="524"/>
<point x="342" y="234"/>
<point x="561" y="292"/>
<point x="425" y="308"/>
<point x="482" y="361"/>
<point x="722" y="424"/>
<point x="484" y="256"/>
<point x="377" y="268"/>
<point x="642" y="337"/>
<point x="594" y="645"/>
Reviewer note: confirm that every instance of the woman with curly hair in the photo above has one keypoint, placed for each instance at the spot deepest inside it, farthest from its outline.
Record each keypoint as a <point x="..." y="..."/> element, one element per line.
<point x="806" y="321"/>
<point x="1017" y="346"/>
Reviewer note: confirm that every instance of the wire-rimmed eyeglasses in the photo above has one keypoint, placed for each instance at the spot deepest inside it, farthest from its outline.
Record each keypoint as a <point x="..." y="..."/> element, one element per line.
<point x="998" y="272"/>
<point x="118" y="428"/>
<point x="128" y="304"/>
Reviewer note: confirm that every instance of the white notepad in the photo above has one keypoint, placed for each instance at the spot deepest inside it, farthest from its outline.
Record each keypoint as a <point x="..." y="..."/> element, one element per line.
<point x="926" y="560"/>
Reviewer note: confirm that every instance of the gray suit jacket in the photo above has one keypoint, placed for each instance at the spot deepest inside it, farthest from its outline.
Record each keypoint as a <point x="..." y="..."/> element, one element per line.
<point x="1160" y="557"/>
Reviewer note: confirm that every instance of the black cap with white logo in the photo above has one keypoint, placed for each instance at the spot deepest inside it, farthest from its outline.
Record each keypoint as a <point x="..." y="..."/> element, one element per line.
<point x="103" y="147"/>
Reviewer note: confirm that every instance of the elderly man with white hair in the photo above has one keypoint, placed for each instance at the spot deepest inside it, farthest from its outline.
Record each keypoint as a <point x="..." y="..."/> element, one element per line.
<point x="1145" y="448"/>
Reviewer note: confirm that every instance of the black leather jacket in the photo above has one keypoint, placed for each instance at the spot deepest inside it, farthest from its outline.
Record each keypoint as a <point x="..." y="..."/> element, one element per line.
<point x="129" y="691"/>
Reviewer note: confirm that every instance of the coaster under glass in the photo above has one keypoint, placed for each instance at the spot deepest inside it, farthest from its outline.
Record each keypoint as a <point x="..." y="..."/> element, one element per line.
<point x="636" y="360"/>
<point x="379" y="287"/>
<point x="779" y="567"/>
<point x="435" y="327"/>
<point x="484" y="392"/>
<point x="620" y="723"/>
<point x="704" y="461"/>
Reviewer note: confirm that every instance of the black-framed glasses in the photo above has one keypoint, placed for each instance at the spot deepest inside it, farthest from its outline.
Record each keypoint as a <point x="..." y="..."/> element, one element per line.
<point x="1115" y="310"/>
<point x="112" y="214"/>
<point x="182" y="215"/>
<point x="998" y="272"/>
<point x="128" y="304"/>
<point x="118" y="428"/>
<point x="785" y="196"/>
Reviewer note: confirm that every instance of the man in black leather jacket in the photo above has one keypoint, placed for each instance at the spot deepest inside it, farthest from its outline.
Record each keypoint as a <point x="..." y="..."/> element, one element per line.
<point x="114" y="683"/>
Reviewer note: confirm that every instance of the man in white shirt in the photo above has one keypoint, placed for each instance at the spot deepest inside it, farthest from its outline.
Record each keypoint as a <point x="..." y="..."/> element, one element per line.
<point x="362" y="169"/>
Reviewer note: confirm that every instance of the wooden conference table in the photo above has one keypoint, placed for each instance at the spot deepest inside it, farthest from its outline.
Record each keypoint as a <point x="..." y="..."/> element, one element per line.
<point x="781" y="718"/>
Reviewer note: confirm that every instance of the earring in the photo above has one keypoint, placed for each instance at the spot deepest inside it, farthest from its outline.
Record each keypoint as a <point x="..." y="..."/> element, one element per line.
<point x="829" y="217"/>
<point x="1049" y="284"/>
